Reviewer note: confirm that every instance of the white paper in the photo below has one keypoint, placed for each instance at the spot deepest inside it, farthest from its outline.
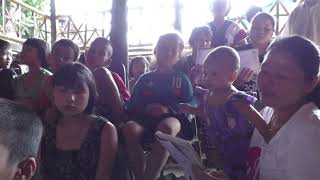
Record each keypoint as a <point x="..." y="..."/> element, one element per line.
<point x="250" y="59"/>
<point x="201" y="55"/>
<point x="181" y="150"/>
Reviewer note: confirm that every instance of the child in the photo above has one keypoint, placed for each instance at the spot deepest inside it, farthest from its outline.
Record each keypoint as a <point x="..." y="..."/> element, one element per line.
<point x="28" y="86"/>
<point x="227" y="130"/>
<point x="88" y="151"/>
<point x="138" y="66"/>
<point x="6" y="74"/>
<point x="63" y="51"/>
<point x="225" y="32"/>
<point x="261" y="33"/>
<point x="200" y="38"/>
<point x="154" y="106"/>
<point x="111" y="89"/>
<point x="99" y="55"/>
<point x="20" y="136"/>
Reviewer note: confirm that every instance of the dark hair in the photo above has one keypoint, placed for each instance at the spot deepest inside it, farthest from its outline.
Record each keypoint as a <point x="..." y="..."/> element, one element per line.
<point x="228" y="8"/>
<point x="137" y="60"/>
<point x="4" y="45"/>
<point x="76" y="76"/>
<point x="42" y="47"/>
<point x="306" y="54"/>
<point x="267" y="16"/>
<point x="252" y="11"/>
<point x="198" y="31"/>
<point x="20" y="131"/>
<point x="68" y="43"/>
<point x="226" y="54"/>
<point x="105" y="42"/>
<point x="175" y="37"/>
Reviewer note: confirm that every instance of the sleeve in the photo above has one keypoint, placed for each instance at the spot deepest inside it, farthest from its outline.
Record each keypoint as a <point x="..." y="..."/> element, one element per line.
<point x="235" y="33"/>
<point x="303" y="155"/>
<point x="135" y="103"/>
<point x="122" y="88"/>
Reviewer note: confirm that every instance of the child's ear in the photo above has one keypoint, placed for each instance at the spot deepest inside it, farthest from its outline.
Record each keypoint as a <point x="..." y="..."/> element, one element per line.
<point x="234" y="76"/>
<point x="26" y="169"/>
<point x="311" y="85"/>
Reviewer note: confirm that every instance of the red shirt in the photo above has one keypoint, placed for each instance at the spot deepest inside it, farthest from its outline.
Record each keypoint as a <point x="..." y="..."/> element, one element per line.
<point x="121" y="86"/>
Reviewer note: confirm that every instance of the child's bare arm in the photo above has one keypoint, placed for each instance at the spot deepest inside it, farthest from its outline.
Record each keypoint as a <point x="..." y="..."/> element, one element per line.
<point x="254" y="117"/>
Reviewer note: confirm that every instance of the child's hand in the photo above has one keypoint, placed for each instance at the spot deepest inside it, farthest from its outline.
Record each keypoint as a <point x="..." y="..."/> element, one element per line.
<point x="200" y="174"/>
<point x="156" y="110"/>
<point x="244" y="76"/>
<point x="195" y="74"/>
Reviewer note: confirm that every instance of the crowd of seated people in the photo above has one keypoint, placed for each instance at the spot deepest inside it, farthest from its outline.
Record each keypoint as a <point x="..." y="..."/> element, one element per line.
<point x="71" y="120"/>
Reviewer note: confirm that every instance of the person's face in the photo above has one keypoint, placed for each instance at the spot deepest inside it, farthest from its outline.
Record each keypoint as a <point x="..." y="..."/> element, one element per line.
<point x="97" y="56"/>
<point x="281" y="81"/>
<point x="202" y="42"/>
<point x="30" y="56"/>
<point x="217" y="74"/>
<point x="167" y="53"/>
<point x="220" y="7"/>
<point x="71" y="102"/>
<point x="5" y="58"/>
<point x="261" y="31"/>
<point x="61" y="55"/>
<point x="138" y="69"/>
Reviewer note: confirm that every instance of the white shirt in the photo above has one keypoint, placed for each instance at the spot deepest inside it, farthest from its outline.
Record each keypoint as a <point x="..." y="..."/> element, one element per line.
<point x="294" y="152"/>
<point x="304" y="21"/>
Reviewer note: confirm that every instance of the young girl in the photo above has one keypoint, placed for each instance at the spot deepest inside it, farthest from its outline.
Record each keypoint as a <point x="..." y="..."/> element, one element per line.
<point x="87" y="151"/>
<point x="228" y="131"/>
<point x="261" y="33"/>
<point x="138" y="66"/>
<point x="200" y="38"/>
<point x="225" y="32"/>
<point x="63" y="51"/>
<point x="153" y="106"/>
<point x="28" y="86"/>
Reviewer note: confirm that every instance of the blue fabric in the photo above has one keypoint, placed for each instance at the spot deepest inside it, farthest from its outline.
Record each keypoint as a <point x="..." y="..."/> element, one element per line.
<point x="168" y="89"/>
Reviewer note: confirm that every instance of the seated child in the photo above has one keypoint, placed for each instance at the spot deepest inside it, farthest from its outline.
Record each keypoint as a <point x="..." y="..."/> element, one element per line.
<point x="99" y="55"/>
<point x="28" y="86"/>
<point x="200" y="38"/>
<point x="6" y="74"/>
<point x="228" y="131"/>
<point x="20" y="136"/>
<point x="153" y="106"/>
<point x="63" y="51"/>
<point x="138" y="66"/>
<point x="88" y="151"/>
<point x="111" y="88"/>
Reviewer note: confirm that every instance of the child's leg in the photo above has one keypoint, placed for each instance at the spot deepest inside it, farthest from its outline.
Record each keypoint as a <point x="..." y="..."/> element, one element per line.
<point x="159" y="155"/>
<point x="109" y="95"/>
<point x="132" y="133"/>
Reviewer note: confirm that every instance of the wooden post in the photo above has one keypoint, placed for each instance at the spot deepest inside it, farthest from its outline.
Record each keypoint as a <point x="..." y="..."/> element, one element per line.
<point x="118" y="38"/>
<point x="177" y="20"/>
<point x="53" y="21"/>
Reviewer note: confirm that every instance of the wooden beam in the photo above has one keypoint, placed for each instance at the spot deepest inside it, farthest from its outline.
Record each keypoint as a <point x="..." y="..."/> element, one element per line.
<point x="118" y="37"/>
<point x="53" y="21"/>
<point x="177" y="21"/>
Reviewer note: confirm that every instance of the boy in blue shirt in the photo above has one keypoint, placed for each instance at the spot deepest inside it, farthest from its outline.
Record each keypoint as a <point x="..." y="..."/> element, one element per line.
<point x="153" y="106"/>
